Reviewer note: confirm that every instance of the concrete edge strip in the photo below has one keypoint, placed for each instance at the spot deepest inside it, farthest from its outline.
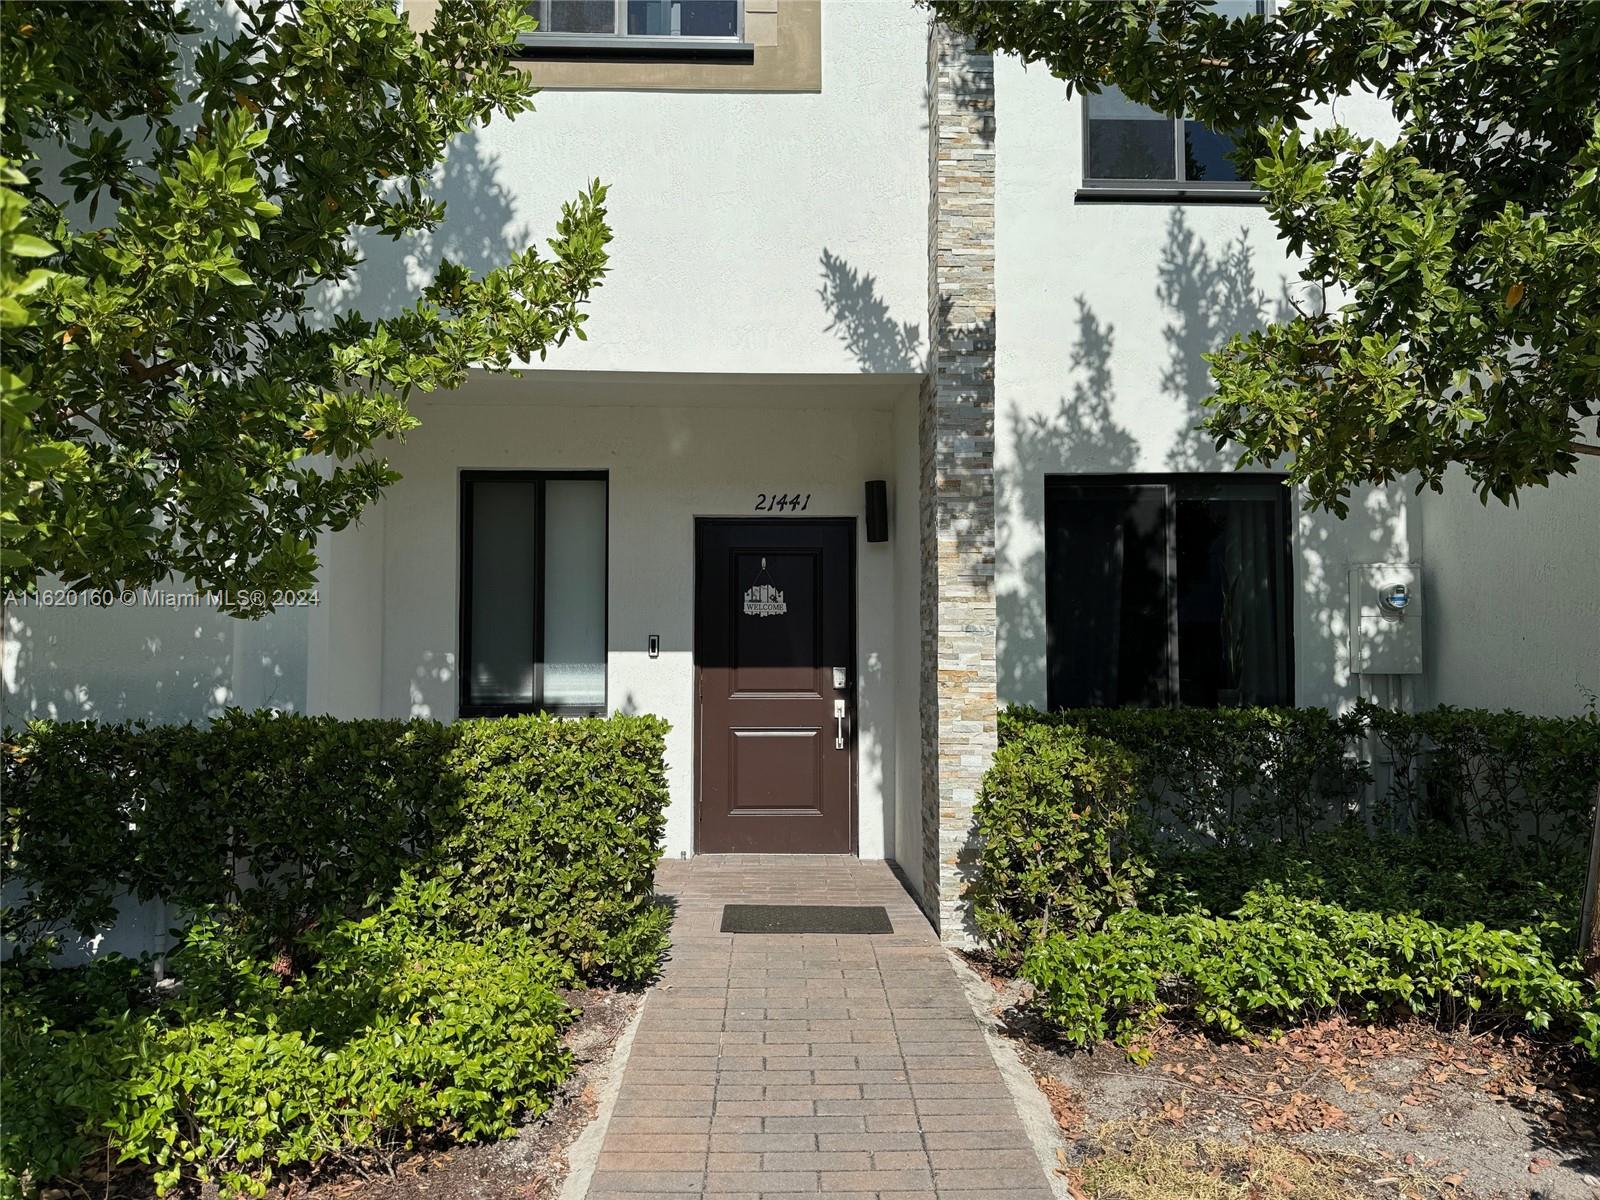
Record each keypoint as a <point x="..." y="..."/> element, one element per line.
<point x="1044" y="1135"/>
<point x="584" y="1151"/>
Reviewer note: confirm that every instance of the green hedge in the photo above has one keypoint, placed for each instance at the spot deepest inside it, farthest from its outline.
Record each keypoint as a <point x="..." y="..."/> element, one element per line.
<point x="1432" y="874"/>
<point x="545" y="825"/>
<point x="1239" y="776"/>
<point x="1492" y="776"/>
<point x="1053" y="819"/>
<point x="379" y="917"/>
<point x="1242" y="837"/>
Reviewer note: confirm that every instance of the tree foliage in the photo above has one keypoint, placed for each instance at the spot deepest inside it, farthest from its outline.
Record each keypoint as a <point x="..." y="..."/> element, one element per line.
<point x="178" y="208"/>
<point x="1460" y="255"/>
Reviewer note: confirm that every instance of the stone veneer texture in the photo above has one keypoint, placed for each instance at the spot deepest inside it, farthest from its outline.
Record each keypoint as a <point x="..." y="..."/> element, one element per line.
<point x="959" y="692"/>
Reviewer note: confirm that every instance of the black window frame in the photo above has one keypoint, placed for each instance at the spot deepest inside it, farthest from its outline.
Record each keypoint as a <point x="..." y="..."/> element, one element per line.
<point x="1179" y="486"/>
<point x="465" y="705"/>
<point x="1218" y="191"/>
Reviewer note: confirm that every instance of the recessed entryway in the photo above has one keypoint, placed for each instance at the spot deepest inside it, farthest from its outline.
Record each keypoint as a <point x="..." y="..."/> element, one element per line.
<point x="775" y="754"/>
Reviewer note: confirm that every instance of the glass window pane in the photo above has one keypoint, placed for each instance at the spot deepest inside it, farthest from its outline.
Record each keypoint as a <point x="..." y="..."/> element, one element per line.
<point x="684" y="18"/>
<point x="1107" y="625"/>
<point x="575" y="592"/>
<point x="503" y="590"/>
<point x="1233" y="644"/>
<point x="1234" y="9"/>
<point x="1128" y="140"/>
<point x="582" y="16"/>
<point x="1205" y="154"/>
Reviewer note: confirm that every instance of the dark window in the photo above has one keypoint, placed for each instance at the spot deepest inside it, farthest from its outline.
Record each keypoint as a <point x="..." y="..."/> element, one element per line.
<point x="1133" y="143"/>
<point x="1166" y="590"/>
<point x="533" y="592"/>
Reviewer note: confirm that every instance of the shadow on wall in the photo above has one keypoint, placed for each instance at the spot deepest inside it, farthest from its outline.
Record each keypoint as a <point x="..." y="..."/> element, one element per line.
<point x="1209" y="295"/>
<point x="148" y="663"/>
<point x="1081" y="435"/>
<point x="1206" y="295"/>
<point x="480" y="231"/>
<point x="861" y="320"/>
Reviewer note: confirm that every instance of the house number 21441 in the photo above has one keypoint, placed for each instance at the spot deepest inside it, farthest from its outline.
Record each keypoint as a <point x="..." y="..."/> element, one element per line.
<point x="773" y="502"/>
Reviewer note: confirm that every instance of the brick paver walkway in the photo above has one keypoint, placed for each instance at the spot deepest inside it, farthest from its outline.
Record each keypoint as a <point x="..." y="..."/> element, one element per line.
<point x="802" y="1064"/>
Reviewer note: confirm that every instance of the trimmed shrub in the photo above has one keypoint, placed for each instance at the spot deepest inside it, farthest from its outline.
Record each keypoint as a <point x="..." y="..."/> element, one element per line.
<point x="1052" y="824"/>
<point x="277" y="815"/>
<point x="1493" y="776"/>
<point x="1275" y="890"/>
<point x="1280" y="959"/>
<point x="557" y="835"/>
<point x="379" y="915"/>
<point x="1241" y="776"/>
<point x="1227" y="775"/>
<point x="543" y="825"/>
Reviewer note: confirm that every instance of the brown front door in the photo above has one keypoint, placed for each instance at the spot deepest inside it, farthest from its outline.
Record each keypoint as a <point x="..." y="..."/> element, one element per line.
<point x="774" y="666"/>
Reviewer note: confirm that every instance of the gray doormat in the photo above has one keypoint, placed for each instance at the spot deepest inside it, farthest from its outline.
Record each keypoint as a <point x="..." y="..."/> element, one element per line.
<point x="804" y="918"/>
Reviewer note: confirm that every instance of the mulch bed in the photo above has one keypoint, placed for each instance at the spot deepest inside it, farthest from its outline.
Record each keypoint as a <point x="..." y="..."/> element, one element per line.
<point x="1397" y="1109"/>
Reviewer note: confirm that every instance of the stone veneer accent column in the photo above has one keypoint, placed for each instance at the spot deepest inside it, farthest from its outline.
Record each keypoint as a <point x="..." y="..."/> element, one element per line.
<point x="958" y="685"/>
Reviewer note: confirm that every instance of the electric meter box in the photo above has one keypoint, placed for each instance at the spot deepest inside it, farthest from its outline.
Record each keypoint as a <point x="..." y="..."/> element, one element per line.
<point x="1386" y="615"/>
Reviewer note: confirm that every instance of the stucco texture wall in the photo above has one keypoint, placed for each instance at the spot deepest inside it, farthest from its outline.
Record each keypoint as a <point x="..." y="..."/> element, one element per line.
<point x="145" y="662"/>
<point x="731" y="211"/>
<point x="1105" y="311"/>
<point x="1514" y="596"/>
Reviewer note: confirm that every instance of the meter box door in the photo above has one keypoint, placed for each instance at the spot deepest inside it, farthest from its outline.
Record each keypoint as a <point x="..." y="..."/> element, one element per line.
<point x="1386" y="615"/>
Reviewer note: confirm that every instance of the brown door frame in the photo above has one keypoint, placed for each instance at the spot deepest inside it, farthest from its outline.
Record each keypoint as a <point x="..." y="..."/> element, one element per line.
<point x="848" y="523"/>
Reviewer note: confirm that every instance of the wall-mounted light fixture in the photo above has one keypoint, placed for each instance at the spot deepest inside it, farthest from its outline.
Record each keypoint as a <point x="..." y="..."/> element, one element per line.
<point x="877" y="510"/>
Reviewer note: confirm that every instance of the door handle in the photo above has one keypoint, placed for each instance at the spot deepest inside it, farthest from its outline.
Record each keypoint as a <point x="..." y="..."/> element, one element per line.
<point x="838" y="717"/>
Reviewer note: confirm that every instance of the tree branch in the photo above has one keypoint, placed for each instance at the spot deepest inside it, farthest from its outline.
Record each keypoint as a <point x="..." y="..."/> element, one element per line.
<point x="1584" y="448"/>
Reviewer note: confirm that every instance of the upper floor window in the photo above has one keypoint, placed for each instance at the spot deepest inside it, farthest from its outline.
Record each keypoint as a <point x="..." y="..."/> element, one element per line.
<point x="1132" y="144"/>
<point x="636" y="22"/>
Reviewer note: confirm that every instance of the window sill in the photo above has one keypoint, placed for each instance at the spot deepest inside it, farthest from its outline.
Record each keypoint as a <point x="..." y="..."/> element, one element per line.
<point x="525" y="710"/>
<point x="1167" y="195"/>
<point x="558" y="48"/>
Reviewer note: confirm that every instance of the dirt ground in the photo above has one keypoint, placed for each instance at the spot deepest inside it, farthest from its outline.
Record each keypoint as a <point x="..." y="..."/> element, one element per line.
<point x="1331" y="1110"/>
<point x="530" y="1165"/>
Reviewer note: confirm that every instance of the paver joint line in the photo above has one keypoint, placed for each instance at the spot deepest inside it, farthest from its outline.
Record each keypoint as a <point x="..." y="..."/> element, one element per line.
<point x="808" y="1064"/>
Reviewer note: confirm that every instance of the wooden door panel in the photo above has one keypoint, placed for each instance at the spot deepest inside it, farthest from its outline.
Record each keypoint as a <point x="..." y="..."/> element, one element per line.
<point x="776" y="769"/>
<point x="774" y="613"/>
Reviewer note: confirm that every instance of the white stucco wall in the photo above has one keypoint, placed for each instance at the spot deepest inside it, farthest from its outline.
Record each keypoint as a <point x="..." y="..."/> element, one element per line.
<point x="1514" y="596"/>
<point x="142" y="661"/>
<point x="905" y="532"/>
<point x="1104" y="312"/>
<point x="676" y="448"/>
<point x="730" y="211"/>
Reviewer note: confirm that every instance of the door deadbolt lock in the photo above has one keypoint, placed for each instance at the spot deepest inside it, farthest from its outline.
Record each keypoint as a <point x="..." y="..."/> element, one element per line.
<point x="841" y="679"/>
<point x="838" y="717"/>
